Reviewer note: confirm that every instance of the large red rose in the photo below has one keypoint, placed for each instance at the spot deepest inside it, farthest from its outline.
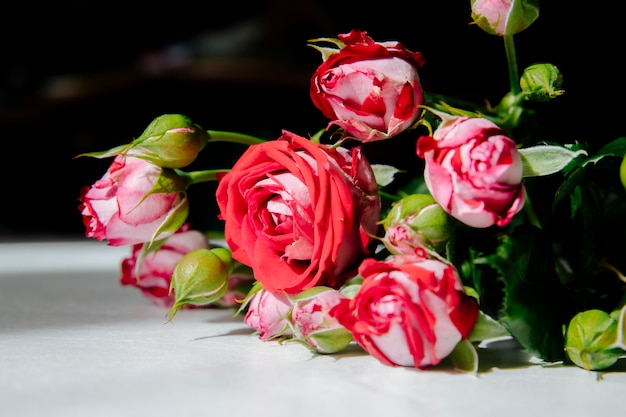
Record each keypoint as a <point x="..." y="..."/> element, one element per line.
<point x="409" y="311"/>
<point x="300" y="214"/>
<point x="370" y="89"/>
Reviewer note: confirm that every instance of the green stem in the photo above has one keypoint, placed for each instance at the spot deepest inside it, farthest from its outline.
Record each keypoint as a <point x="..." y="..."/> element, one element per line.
<point x="511" y="59"/>
<point x="196" y="177"/>
<point x="233" y="137"/>
<point x="530" y="212"/>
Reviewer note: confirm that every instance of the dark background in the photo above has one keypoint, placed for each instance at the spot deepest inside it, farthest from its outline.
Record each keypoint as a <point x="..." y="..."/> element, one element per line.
<point x="80" y="76"/>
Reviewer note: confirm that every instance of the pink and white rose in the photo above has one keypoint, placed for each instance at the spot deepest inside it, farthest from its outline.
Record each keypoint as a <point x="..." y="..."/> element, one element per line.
<point x="370" y="89"/>
<point x="409" y="311"/>
<point x="154" y="274"/>
<point x="474" y="171"/>
<point x="134" y="202"/>
<point x="268" y="313"/>
<point x="312" y="323"/>
<point x="300" y="214"/>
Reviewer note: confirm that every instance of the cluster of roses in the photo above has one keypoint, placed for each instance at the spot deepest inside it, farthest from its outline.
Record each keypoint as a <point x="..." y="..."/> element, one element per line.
<point x="307" y="254"/>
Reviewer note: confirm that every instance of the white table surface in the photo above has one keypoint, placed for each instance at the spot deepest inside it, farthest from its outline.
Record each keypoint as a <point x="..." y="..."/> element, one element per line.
<point x="73" y="342"/>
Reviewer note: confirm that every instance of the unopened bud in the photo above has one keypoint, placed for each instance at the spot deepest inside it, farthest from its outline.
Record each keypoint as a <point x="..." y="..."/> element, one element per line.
<point x="170" y="141"/>
<point x="542" y="82"/>
<point x="200" y="277"/>
<point x="498" y="17"/>
<point x="418" y="220"/>
<point x="590" y="340"/>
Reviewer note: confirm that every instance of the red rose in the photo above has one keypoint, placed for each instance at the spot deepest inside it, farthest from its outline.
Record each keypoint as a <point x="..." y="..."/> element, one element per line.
<point x="409" y="311"/>
<point x="299" y="213"/>
<point x="370" y="89"/>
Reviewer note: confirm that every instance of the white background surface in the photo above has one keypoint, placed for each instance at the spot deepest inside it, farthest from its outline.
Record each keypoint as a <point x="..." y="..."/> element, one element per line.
<point x="73" y="342"/>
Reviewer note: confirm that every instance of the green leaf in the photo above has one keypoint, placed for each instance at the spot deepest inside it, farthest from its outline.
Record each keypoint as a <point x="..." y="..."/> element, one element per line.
<point x="384" y="174"/>
<point x="547" y="159"/>
<point x="615" y="148"/>
<point x="532" y="304"/>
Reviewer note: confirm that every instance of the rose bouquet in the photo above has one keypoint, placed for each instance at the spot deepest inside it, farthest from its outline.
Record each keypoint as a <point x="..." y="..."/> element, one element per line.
<point x="506" y="234"/>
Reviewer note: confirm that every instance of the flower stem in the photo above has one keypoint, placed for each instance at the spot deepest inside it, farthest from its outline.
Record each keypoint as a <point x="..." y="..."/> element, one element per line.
<point x="233" y="137"/>
<point x="511" y="59"/>
<point x="196" y="177"/>
<point x="530" y="212"/>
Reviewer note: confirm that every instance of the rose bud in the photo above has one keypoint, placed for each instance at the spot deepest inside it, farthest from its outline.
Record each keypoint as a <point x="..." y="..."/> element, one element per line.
<point x="170" y="141"/>
<point x="154" y="273"/>
<point x="408" y="311"/>
<point x="200" y="278"/>
<point x="268" y="314"/>
<point x="504" y="17"/>
<point x="299" y="213"/>
<point x="312" y="323"/>
<point x="134" y="202"/>
<point x="473" y="171"/>
<point x="370" y="89"/>
<point x="542" y="82"/>
<point x="590" y="338"/>
<point x="415" y="221"/>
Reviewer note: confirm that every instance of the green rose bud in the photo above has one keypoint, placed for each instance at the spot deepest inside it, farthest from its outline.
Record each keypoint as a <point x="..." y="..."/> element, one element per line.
<point x="504" y="17"/>
<point x="170" y="141"/>
<point x="542" y="82"/>
<point x="200" y="278"/>
<point x="423" y="216"/>
<point x="590" y="340"/>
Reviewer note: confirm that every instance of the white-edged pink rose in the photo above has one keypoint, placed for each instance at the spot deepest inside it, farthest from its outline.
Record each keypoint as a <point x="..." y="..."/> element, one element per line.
<point x="134" y="202"/>
<point x="474" y="171"/>
<point x="155" y="271"/>
<point x="409" y="311"/>
<point x="370" y="89"/>
<point x="313" y="324"/>
<point x="268" y="313"/>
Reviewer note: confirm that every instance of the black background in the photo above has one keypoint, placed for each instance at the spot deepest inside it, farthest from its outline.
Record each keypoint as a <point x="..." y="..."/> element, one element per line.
<point x="101" y="49"/>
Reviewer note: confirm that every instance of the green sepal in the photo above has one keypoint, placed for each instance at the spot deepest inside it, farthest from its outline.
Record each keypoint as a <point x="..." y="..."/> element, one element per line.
<point x="464" y="357"/>
<point x="310" y="293"/>
<point x="146" y="248"/>
<point x="486" y="327"/>
<point x="106" y="154"/>
<point x="331" y="340"/>
<point x="256" y="287"/>
<point x="385" y="174"/>
<point x="175" y="219"/>
<point x="326" y="51"/>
